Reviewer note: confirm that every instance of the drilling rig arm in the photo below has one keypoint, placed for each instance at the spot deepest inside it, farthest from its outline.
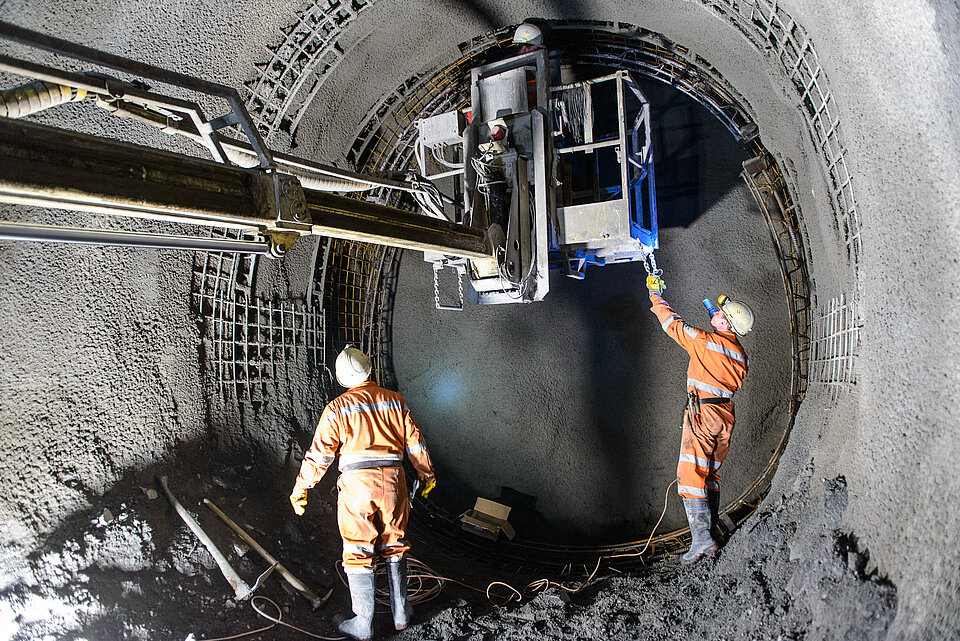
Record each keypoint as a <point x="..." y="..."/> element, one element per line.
<point x="49" y="167"/>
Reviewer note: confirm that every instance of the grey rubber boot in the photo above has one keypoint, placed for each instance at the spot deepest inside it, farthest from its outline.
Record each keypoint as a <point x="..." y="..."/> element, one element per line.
<point x="713" y="498"/>
<point x="698" y="516"/>
<point x="397" y="578"/>
<point x="362" y="597"/>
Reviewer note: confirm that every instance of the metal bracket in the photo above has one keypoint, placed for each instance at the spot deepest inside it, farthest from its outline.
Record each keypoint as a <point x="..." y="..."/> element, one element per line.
<point x="280" y="197"/>
<point x="226" y="120"/>
<point x="279" y="242"/>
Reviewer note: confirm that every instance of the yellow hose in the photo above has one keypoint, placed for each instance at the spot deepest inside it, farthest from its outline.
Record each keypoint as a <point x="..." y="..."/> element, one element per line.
<point x="36" y="96"/>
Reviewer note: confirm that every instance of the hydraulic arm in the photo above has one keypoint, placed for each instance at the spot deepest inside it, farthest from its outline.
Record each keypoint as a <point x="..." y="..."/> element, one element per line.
<point x="249" y="187"/>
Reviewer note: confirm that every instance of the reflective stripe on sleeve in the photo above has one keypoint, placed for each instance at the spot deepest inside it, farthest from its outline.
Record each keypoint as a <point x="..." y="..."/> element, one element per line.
<point x="416" y="449"/>
<point x="716" y="391"/>
<point x="696" y="491"/>
<point x="362" y="461"/>
<point x="667" y="323"/>
<point x="726" y="352"/>
<point x="370" y="407"/>
<point x="691" y="332"/>
<point x="318" y="459"/>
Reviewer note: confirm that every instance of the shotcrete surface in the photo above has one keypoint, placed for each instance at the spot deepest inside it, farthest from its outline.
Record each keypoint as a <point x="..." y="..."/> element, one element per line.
<point x="100" y="363"/>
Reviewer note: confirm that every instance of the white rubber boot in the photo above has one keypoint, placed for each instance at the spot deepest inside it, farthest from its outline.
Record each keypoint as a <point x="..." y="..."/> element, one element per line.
<point x="719" y="536"/>
<point x="362" y="598"/>
<point x="698" y="516"/>
<point x="397" y="578"/>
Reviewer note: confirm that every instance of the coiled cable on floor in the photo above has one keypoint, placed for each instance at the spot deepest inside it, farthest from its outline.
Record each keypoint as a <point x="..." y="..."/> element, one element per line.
<point x="423" y="584"/>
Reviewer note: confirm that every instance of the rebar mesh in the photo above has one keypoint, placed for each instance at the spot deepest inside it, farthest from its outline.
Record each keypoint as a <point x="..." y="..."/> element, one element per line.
<point x="248" y="341"/>
<point x="309" y="50"/>
<point x="354" y="295"/>
<point x="768" y="26"/>
<point x="836" y="337"/>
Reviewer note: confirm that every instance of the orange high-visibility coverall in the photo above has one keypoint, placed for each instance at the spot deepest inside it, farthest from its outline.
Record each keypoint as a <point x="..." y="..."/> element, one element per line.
<point x="370" y="428"/>
<point x="717" y="368"/>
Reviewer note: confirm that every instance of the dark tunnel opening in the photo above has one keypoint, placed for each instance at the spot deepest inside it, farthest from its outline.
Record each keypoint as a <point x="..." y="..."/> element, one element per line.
<point x="568" y="409"/>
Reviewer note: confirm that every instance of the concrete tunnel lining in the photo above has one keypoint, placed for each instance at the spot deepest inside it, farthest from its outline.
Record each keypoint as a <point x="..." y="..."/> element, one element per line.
<point x="841" y="430"/>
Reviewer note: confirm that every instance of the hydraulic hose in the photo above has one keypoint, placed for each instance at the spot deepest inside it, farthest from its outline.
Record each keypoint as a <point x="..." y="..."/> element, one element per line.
<point x="309" y="180"/>
<point x="36" y="96"/>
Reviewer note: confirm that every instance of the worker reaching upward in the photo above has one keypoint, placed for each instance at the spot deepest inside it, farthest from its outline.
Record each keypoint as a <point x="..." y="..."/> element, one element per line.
<point x="718" y="365"/>
<point x="370" y="428"/>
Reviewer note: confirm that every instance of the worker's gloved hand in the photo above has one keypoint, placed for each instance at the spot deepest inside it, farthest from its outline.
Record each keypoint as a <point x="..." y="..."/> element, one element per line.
<point x="299" y="501"/>
<point x="428" y="487"/>
<point x="655" y="284"/>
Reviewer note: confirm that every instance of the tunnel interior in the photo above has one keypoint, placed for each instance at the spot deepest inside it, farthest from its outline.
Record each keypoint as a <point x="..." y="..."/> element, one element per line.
<point x="125" y="365"/>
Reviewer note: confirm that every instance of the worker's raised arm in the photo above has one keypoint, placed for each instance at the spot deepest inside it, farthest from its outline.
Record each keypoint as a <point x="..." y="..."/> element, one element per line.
<point x="672" y="324"/>
<point x="416" y="447"/>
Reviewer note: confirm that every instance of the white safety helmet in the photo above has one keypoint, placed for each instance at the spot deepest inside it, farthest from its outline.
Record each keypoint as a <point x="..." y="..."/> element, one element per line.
<point x="739" y="315"/>
<point x="353" y="367"/>
<point x="528" y="34"/>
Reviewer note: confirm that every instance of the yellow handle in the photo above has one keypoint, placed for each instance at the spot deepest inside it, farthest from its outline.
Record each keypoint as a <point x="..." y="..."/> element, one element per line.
<point x="656" y="283"/>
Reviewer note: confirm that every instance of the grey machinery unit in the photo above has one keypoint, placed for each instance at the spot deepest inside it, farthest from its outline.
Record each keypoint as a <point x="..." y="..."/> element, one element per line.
<point x="558" y="177"/>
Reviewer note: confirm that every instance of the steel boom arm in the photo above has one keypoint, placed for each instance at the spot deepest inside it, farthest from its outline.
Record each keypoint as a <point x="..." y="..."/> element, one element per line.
<point x="49" y="167"/>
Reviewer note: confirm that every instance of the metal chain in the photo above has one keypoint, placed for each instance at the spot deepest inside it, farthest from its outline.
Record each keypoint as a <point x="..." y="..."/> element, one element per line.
<point x="436" y="287"/>
<point x="651" y="267"/>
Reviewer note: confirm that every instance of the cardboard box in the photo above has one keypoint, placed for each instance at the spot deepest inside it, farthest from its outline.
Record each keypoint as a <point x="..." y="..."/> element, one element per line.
<point x="488" y="519"/>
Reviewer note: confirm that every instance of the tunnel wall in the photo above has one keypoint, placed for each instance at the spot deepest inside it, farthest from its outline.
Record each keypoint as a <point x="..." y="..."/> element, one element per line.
<point x="75" y="400"/>
<point x="101" y="351"/>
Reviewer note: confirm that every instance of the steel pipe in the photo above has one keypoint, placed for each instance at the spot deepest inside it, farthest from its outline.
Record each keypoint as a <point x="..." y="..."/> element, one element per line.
<point x="55" y="234"/>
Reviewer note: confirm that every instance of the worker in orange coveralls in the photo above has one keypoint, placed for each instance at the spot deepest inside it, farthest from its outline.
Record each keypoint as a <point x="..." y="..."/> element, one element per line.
<point x="718" y="365"/>
<point x="370" y="428"/>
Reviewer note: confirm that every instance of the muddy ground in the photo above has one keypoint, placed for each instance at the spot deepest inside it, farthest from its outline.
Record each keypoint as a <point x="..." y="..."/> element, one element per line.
<point x="128" y="568"/>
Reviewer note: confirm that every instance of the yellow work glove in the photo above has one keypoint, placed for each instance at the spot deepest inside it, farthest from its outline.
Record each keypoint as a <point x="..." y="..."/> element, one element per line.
<point x="432" y="483"/>
<point x="655" y="284"/>
<point x="299" y="501"/>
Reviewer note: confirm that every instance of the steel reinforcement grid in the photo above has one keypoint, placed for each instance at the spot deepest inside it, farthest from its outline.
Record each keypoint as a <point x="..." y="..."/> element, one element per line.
<point x="768" y="26"/>
<point x="249" y="341"/>
<point x="836" y="337"/>
<point x="309" y="50"/>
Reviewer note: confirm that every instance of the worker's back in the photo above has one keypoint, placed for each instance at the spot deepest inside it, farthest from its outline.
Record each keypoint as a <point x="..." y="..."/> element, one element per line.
<point x="371" y="423"/>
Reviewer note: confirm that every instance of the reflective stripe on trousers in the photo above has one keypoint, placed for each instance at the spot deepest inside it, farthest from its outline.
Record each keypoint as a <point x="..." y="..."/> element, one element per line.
<point x="703" y="448"/>
<point x="372" y="512"/>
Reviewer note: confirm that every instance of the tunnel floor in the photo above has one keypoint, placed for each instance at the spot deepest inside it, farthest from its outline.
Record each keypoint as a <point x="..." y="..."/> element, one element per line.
<point x="569" y="409"/>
